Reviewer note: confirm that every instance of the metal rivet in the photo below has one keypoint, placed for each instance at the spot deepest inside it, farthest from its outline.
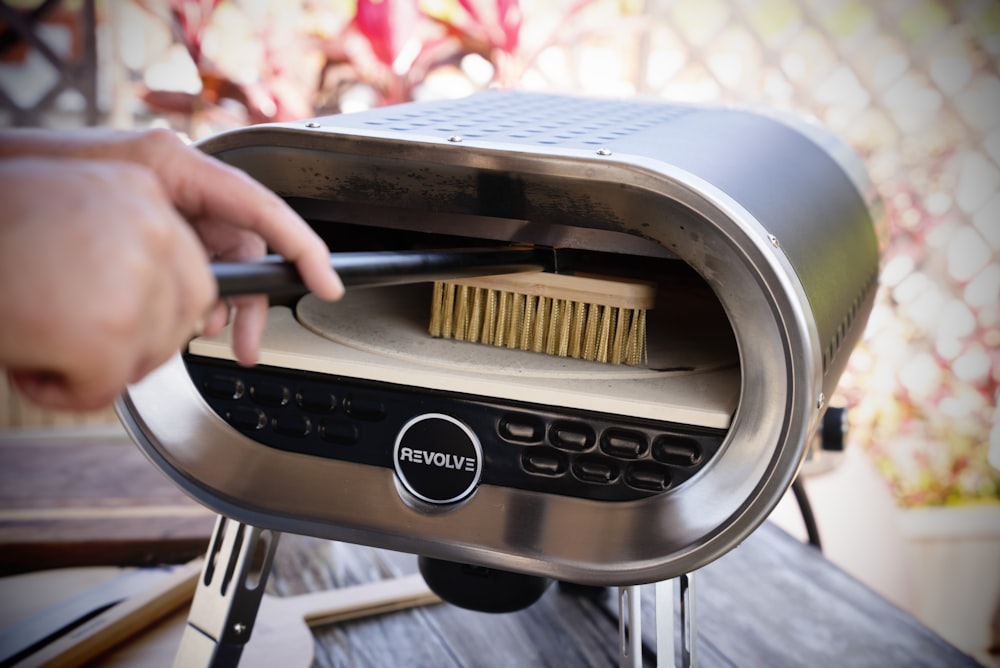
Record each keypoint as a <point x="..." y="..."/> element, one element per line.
<point x="774" y="241"/>
<point x="239" y="629"/>
<point x="604" y="151"/>
<point x="820" y="400"/>
<point x="312" y="124"/>
<point x="454" y="139"/>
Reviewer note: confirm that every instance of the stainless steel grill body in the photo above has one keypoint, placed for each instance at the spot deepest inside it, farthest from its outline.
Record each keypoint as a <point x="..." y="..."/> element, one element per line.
<point x="774" y="215"/>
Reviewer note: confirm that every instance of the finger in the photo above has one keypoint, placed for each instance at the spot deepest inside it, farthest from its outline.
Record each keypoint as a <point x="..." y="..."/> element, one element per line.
<point x="226" y="241"/>
<point x="248" y="326"/>
<point x="226" y="245"/>
<point x="205" y="188"/>
<point x="176" y="299"/>
<point x="56" y="392"/>
<point x="216" y="319"/>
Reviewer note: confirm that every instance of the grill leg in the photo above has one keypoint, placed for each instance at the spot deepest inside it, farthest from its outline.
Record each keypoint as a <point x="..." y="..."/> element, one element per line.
<point x="630" y="624"/>
<point x="683" y="588"/>
<point x="228" y="595"/>
<point x="685" y="592"/>
<point x="630" y="627"/>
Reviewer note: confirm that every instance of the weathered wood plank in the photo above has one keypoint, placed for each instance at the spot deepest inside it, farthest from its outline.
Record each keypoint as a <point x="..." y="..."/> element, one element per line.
<point x="77" y="501"/>
<point x="561" y="629"/>
<point x="771" y="602"/>
<point x="777" y="602"/>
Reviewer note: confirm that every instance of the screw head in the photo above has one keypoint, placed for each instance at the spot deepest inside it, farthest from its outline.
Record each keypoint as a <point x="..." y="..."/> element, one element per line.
<point x="820" y="400"/>
<point x="604" y="151"/>
<point x="312" y="124"/>
<point x="239" y="629"/>
<point x="455" y="139"/>
<point x="774" y="241"/>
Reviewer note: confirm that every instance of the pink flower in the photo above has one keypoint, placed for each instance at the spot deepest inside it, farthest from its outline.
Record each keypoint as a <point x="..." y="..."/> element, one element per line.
<point x="193" y="18"/>
<point x="388" y="25"/>
<point x="500" y="20"/>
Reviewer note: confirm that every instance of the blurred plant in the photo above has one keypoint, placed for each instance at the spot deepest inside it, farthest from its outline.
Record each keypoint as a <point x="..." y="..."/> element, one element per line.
<point x="389" y="46"/>
<point x="494" y="30"/>
<point x="224" y="98"/>
<point x="926" y="380"/>
<point x="393" y="46"/>
<point x="490" y="29"/>
<point x="382" y="51"/>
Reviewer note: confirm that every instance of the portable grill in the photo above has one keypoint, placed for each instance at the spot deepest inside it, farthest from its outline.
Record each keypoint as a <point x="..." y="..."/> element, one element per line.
<point x="757" y="229"/>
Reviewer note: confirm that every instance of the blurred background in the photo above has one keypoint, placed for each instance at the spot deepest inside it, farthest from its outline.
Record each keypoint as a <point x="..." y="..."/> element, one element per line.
<point x="912" y="505"/>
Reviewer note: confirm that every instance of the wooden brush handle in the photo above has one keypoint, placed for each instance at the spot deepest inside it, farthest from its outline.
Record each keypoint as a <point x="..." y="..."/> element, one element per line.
<point x="355" y="601"/>
<point x="274" y="276"/>
<point x="120" y="621"/>
<point x="589" y="289"/>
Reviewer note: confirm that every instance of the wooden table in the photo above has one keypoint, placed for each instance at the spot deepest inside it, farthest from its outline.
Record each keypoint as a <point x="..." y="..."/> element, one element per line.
<point x="771" y="602"/>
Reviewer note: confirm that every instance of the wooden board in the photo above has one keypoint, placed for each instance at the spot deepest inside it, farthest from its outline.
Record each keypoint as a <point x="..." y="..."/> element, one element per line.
<point x="94" y="625"/>
<point x="773" y="601"/>
<point x="73" y="498"/>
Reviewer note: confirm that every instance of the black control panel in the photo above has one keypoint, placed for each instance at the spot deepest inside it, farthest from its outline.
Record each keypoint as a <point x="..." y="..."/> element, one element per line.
<point x="527" y="446"/>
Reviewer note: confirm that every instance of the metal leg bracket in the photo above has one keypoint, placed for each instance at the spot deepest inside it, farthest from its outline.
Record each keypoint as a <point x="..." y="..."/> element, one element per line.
<point x="630" y="624"/>
<point x="228" y="595"/>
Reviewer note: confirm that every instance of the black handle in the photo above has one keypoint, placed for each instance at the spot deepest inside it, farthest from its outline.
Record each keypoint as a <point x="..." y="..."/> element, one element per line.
<point x="274" y="276"/>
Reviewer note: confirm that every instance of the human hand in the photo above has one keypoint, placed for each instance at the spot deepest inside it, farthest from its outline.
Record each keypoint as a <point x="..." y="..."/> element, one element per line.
<point x="107" y="260"/>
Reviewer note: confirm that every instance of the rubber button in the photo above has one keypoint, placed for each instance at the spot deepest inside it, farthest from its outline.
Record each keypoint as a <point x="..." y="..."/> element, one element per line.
<point x="676" y="450"/>
<point x="521" y="429"/>
<point x="591" y="469"/>
<point x="544" y="462"/>
<point x="269" y="394"/>
<point x="341" y="432"/>
<point x="292" y="425"/>
<point x="364" y="407"/>
<point x="316" y="400"/>
<point x="573" y="436"/>
<point x="648" y="477"/>
<point x="246" y="417"/>
<point x="224" y="387"/>
<point x="623" y="443"/>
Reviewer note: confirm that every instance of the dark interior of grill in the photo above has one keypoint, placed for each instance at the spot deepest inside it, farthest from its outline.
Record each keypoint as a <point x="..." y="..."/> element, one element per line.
<point x="685" y="303"/>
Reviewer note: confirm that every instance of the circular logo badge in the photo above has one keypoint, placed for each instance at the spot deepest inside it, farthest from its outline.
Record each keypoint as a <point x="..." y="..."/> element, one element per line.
<point x="437" y="458"/>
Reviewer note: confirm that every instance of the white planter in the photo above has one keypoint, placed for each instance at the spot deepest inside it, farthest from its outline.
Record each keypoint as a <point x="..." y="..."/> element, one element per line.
<point x="954" y="563"/>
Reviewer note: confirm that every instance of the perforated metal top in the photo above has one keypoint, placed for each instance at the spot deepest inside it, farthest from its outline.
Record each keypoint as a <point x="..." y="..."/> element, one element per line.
<point x="521" y="118"/>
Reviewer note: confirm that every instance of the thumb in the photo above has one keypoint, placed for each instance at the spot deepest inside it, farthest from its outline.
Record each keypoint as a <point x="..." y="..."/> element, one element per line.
<point x="53" y="390"/>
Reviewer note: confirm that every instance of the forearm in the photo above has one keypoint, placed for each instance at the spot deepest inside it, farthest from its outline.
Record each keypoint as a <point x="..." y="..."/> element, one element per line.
<point x="90" y="143"/>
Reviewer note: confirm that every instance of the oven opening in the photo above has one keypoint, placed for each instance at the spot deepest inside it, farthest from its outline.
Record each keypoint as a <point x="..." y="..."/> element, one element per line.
<point x="347" y="379"/>
<point x="687" y="329"/>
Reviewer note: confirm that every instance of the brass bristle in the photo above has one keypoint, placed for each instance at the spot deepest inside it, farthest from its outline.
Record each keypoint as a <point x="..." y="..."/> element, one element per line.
<point x="504" y="310"/>
<point x="580" y="317"/>
<point x="565" y="320"/>
<point x="448" y="316"/>
<point x="527" y="322"/>
<point x="437" y="309"/>
<point x="461" y="319"/>
<point x="476" y="315"/>
<point x="490" y="318"/>
<point x="517" y="322"/>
